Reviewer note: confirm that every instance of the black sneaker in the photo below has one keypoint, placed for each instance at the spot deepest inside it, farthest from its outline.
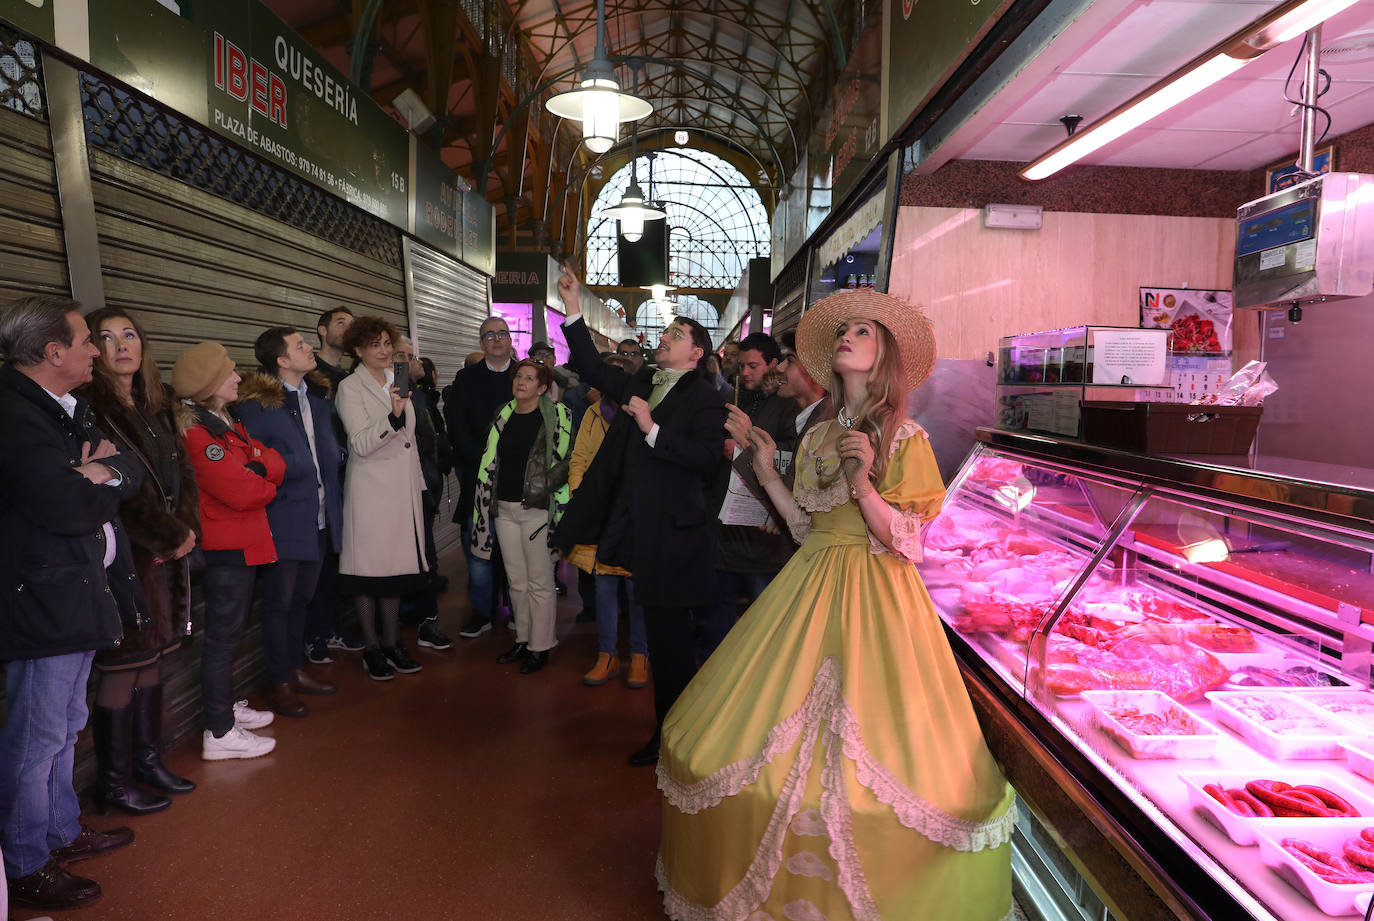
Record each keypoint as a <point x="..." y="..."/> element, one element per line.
<point x="400" y="660"/>
<point x="477" y="625"/>
<point x="430" y="635"/>
<point x="317" y="651"/>
<point x="376" y="665"/>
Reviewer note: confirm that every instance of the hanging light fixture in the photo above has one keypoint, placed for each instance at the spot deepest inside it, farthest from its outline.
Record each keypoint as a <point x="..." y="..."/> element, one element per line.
<point x="633" y="210"/>
<point x="599" y="104"/>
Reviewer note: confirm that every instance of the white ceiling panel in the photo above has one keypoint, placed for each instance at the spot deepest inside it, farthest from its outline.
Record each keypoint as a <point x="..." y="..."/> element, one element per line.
<point x="1155" y="38"/>
<point x="1239" y="124"/>
<point x="1174" y="149"/>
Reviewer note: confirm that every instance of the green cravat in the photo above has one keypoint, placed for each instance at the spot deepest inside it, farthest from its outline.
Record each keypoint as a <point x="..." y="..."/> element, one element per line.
<point x="664" y="380"/>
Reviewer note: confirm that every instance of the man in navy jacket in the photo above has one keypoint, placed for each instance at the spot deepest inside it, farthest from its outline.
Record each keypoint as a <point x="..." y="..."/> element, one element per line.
<point x="64" y="576"/>
<point x="286" y="407"/>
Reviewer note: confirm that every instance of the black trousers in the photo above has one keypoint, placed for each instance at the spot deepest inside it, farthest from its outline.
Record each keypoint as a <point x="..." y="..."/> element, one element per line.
<point x="672" y="652"/>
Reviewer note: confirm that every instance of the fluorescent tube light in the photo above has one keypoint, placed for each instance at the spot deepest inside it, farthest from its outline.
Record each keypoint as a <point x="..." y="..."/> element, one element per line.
<point x="1220" y="61"/>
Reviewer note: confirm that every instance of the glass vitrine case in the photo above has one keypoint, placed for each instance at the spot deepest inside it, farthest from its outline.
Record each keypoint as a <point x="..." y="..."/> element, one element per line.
<point x="1191" y="645"/>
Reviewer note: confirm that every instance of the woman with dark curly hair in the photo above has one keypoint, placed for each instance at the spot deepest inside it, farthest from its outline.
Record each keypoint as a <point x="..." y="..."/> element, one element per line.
<point x="135" y="408"/>
<point x="384" y="535"/>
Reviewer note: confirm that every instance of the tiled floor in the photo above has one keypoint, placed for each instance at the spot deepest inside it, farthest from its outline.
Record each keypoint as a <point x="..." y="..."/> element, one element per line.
<point x="467" y="791"/>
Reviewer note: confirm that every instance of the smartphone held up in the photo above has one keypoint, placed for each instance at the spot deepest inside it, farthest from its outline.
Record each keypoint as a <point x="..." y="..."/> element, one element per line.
<point x="401" y="372"/>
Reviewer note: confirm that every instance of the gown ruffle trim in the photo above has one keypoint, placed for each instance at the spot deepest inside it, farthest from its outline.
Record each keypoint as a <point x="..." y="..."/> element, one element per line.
<point x="824" y="703"/>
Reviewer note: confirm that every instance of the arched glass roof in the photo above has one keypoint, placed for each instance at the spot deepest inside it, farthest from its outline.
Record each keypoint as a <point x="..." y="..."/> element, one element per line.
<point x="716" y="219"/>
<point x="652" y="317"/>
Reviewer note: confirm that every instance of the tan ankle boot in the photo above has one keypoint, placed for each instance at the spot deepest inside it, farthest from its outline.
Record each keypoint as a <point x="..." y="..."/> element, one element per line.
<point x="607" y="667"/>
<point x="639" y="671"/>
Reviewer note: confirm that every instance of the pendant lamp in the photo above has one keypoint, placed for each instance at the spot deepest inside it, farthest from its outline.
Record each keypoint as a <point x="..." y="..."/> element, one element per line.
<point x="633" y="210"/>
<point x="598" y="103"/>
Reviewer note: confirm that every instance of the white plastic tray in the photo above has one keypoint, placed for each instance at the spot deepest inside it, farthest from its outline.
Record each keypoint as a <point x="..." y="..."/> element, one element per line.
<point x="1321" y="741"/>
<point x="1200" y="744"/>
<point x="1359" y="756"/>
<point x="1341" y="705"/>
<point x="1241" y="829"/>
<point x="1334" y="899"/>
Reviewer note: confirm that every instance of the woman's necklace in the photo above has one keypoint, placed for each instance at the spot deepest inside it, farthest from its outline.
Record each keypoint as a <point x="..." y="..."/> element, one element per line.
<point x="845" y="419"/>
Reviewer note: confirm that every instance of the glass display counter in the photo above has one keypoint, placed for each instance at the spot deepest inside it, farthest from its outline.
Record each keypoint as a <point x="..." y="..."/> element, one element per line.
<point x="1191" y="645"/>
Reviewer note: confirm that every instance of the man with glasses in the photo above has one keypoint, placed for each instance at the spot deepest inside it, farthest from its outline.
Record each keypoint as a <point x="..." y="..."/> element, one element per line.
<point x="632" y="350"/>
<point x="478" y="391"/>
<point x="643" y="501"/>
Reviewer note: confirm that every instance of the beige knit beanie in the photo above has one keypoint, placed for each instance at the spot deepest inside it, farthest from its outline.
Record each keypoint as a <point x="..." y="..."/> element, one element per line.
<point x="200" y="370"/>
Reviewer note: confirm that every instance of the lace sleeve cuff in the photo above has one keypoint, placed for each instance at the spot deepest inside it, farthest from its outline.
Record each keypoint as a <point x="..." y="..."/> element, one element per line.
<point x="799" y="523"/>
<point x="906" y="536"/>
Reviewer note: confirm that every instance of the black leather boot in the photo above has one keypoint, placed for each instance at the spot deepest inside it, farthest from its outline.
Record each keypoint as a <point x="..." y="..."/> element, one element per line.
<point x="113" y="731"/>
<point x="148" y="766"/>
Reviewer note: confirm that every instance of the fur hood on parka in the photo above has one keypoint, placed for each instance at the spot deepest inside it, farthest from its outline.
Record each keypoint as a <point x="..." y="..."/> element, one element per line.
<point x="268" y="390"/>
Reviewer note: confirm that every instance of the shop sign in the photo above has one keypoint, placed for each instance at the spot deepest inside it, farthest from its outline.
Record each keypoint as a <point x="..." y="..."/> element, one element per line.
<point x="438" y="195"/>
<point x="525" y="278"/>
<point x="850" y="129"/>
<point x="479" y="233"/>
<point x="32" y="16"/>
<point x="927" y="41"/>
<point x="237" y="69"/>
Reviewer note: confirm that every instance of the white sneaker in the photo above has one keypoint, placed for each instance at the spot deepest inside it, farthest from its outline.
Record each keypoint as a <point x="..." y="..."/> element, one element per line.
<point x="245" y="717"/>
<point x="236" y="743"/>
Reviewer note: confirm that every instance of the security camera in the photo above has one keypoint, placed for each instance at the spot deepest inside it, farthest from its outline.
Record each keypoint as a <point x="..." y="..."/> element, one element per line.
<point x="1295" y="314"/>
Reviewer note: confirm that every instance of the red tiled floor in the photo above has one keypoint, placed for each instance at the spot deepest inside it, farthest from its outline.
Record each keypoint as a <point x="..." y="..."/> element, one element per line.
<point x="467" y="791"/>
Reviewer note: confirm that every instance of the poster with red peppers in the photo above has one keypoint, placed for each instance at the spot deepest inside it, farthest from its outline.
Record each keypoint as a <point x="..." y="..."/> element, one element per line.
<point x="1200" y="319"/>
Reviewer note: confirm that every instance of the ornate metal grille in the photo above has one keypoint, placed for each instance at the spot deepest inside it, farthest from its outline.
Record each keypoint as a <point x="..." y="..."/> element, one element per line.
<point x="21" y="76"/>
<point x="143" y="132"/>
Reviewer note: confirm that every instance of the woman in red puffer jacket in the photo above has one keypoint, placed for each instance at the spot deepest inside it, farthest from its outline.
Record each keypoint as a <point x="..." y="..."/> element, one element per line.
<point x="237" y="477"/>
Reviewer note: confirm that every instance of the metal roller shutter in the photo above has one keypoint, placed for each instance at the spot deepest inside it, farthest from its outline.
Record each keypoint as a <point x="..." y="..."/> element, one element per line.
<point x="192" y="266"/>
<point x="448" y="302"/>
<point x="33" y="253"/>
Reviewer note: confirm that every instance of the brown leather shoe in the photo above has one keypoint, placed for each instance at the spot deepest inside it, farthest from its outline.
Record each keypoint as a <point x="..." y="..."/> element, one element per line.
<point x="284" y="700"/>
<point x="308" y="685"/>
<point x="53" y="888"/>
<point x="92" y="843"/>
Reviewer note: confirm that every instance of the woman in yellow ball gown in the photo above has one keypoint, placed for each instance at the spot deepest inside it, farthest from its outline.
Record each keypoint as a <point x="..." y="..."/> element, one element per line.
<point x="826" y="764"/>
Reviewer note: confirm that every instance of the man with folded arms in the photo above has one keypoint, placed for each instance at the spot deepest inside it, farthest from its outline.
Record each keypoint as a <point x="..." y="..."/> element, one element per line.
<point x="65" y="575"/>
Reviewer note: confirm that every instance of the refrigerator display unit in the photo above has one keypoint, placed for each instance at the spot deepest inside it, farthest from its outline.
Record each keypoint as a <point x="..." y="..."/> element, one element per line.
<point x="1159" y="648"/>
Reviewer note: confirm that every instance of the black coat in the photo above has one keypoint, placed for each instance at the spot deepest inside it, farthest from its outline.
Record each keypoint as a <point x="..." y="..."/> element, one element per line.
<point x="646" y="508"/>
<point x="157" y="520"/>
<point x="56" y="596"/>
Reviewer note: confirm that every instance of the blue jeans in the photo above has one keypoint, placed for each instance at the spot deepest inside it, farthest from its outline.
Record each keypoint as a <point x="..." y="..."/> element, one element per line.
<point x="38" y="807"/>
<point x="608" y="616"/>
<point x="729" y="587"/>
<point x="480" y="577"/>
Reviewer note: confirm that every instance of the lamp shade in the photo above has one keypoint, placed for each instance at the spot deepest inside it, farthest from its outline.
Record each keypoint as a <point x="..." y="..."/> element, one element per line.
<point x="632" y="212"/>
<point x="600" y="106"/>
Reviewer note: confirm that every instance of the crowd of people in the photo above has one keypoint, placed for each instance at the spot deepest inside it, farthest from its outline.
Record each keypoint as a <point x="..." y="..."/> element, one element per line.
<point x="778" y="475"/>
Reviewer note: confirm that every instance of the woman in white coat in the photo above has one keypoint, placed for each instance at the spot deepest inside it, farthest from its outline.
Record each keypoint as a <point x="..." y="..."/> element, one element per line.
<point x="383" y="554"/>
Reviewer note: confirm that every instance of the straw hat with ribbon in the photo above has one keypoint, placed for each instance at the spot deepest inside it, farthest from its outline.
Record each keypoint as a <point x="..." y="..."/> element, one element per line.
<point x="908" y="325"/>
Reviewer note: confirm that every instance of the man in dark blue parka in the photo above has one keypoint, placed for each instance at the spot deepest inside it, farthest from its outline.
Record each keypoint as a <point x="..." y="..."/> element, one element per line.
<point x="285" y="405"/>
